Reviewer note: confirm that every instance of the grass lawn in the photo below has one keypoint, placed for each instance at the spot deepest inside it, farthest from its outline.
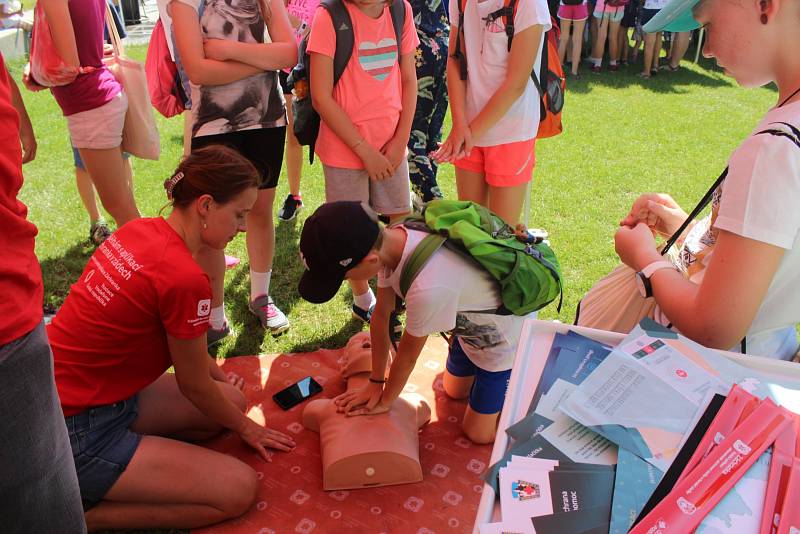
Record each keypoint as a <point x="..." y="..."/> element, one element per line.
<point x="623" y="136"/>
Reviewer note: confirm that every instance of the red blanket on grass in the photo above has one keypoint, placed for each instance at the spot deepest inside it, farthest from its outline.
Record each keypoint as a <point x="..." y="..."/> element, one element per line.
<point x="291" y="497"/>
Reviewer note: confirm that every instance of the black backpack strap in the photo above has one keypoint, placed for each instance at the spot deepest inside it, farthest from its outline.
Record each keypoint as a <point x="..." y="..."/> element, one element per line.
<point x="398" y="12"/>
<point x="345" y="38"/>
<point x="460" y="52"/>
<point x="509" y="14"/>
<point x="544" y="67"/>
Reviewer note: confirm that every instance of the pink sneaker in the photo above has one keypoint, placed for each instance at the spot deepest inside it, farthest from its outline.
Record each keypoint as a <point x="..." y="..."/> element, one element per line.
<point x="231" y="261"/>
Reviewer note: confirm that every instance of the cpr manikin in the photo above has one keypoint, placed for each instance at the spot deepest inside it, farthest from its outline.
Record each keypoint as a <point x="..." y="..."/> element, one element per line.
<point x="368" y="450"/>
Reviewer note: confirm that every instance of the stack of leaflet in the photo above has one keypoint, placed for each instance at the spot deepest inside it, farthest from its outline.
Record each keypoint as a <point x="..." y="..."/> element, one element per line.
<point x="548" y="496"/>
<point x="642" y="408"/>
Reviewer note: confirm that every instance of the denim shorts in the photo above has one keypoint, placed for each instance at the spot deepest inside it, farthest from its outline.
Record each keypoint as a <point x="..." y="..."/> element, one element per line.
<point x="488" y="392"/>
<point x="102" y="446"/>
<point x="76" y="158"/>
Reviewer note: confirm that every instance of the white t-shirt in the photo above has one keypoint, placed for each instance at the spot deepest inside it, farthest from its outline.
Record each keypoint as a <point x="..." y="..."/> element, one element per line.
<point x="487" y="60"/>
<point x="443" y="294"/>
<point x="759" y="200"/>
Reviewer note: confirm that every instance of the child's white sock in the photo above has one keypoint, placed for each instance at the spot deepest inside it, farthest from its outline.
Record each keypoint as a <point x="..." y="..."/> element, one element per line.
<point x="217" y="319"/>
<point x="612" y="62"/>
<point x="365" y="301"/>
<point x="259" y="283"/>
<point x="597" y="61"/>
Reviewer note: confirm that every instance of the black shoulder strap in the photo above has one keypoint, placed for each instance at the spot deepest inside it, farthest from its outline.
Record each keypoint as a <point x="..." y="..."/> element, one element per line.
<point x="695" y="212"/>
<point x="460" y="52"/>
<point x="345" y="38"/>
<point x="793" y="136"/>
<point x="509" y="13"/>
<point x="398" y="11"/>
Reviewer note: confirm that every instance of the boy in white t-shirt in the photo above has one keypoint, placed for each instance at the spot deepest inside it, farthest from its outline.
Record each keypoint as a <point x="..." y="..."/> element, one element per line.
<point x="344" y="240"/>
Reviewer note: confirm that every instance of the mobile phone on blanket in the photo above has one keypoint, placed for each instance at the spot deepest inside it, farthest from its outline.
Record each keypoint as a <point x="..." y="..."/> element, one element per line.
<point x="293" y="395"/>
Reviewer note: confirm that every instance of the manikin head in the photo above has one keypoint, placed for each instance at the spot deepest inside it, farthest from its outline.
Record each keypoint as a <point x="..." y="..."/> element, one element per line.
<point x="357" y="357"/>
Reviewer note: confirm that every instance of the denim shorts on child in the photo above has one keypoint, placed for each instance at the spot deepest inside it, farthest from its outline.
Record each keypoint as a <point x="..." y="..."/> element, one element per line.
<point x="102" y="446"/>
<point x="391" y="196"/>
<point x="76" y="158"/>
<point x="503" y="165"/>
<point x="579" y="12"/>
<point x="99" y="128"/>
<point x="488" y="391"/>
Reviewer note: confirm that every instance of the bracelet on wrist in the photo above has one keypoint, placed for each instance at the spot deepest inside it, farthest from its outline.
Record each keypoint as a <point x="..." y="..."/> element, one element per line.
<point x="357" y="143"/>
<point x="376" y="381"/>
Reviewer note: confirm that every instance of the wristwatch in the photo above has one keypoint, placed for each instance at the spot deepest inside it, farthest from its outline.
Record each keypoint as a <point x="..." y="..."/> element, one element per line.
<point x="643" y="276"/>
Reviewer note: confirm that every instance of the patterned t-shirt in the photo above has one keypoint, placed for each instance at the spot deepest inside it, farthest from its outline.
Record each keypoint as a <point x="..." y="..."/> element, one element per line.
<point x="251" y="103"/>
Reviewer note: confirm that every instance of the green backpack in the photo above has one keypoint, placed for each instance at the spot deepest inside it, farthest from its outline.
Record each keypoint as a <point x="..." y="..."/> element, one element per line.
<point x="528" y="274"/>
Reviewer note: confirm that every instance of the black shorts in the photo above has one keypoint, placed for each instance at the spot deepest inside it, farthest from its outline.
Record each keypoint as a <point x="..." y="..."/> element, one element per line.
<point x="263" y="147"/>
<point x="283" y="78"/>
<point x="647" y="14"/>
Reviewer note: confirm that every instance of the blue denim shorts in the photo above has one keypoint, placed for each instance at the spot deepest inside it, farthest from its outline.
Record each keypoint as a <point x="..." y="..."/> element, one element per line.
<point x="102" y="446"/>
<point x="488" y="392"/>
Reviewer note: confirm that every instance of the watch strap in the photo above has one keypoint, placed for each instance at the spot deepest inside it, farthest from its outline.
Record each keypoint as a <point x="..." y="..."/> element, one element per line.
<point x="656" y="266"/>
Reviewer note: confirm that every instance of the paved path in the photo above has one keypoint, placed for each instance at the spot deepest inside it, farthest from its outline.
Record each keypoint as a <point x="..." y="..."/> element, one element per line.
<point x="140" y="33"/>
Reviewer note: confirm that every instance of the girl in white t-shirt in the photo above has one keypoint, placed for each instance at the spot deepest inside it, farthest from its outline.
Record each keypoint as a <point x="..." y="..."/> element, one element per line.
<point x="494" y="104"/>
<point x="739" y="269"/>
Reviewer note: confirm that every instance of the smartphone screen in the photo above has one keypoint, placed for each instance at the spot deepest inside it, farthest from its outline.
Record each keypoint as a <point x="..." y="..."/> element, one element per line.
<point x="297" y="393"/>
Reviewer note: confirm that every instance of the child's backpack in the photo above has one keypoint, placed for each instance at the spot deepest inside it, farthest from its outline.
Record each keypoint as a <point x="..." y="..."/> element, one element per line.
<point x="306" y="118"/>
<point x="551" y="91"/>
<point x="528" y="273"/>
<point x="163" y="82"/>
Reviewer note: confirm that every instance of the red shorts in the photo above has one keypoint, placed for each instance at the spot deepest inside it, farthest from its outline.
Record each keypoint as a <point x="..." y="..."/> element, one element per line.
<point x="504" y="165"/>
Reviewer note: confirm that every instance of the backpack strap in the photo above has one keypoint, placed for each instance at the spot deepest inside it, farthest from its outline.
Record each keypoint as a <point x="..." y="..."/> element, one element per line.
<point x="509" y="11"/>
<point x="418" y="259"/>
<point x="460" y="52"/>
<point x="345" y="37"/>
<point x="398" y="12"/>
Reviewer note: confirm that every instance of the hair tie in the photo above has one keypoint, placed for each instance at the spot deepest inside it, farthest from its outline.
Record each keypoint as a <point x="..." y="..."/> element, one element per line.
<point x="170" y="184"/>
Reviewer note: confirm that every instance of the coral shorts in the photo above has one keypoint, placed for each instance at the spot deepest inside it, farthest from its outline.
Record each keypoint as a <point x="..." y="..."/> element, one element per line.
<point x="504" y="165"/>
<point x="579" y="12"/>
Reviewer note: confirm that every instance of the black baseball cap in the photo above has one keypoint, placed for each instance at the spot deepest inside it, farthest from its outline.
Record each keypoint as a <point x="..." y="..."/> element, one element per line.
<point x="335" y="238"/>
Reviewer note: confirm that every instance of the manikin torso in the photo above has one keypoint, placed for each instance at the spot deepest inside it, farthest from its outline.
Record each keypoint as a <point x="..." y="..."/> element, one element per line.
<point x="368" y="450"/>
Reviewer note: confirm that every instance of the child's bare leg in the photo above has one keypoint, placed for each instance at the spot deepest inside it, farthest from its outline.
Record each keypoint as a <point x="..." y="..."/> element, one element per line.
<point x="577" y="43"/>
<point x="472" y="186"/>
<point x="479" y="427"/>
<point x="562" y="42"/>
<point x="507" y="202"/>
<point x="457" y="387"/>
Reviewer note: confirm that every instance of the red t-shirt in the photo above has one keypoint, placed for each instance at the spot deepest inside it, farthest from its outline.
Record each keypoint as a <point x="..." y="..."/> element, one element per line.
<point x="109" y="339"/>
<point x="21" y="287"/>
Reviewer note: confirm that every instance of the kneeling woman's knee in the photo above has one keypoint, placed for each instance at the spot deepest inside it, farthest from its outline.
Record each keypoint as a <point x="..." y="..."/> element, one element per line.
<point x="241" y="491"/>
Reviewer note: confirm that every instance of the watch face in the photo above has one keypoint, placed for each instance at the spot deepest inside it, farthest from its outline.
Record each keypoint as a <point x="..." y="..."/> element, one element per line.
<point x="640" y="284"/>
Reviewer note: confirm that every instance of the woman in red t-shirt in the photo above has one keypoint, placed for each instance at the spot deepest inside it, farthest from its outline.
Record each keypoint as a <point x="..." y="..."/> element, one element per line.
<point x="142" y="305"/>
